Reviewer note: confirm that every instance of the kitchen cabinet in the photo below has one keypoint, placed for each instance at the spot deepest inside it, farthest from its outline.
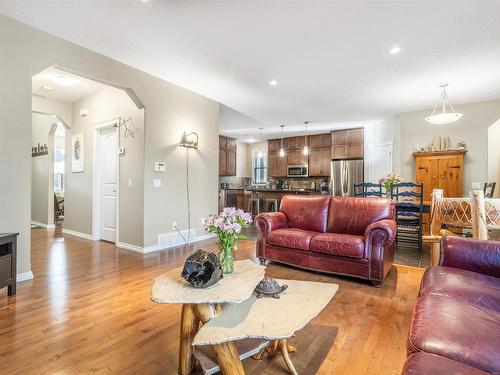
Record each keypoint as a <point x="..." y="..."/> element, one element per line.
<point x="320" y="140"/>
<point x="319" y="162"/>
<point x="320" y="155"/>
<point x="227" y="156"/>
<point x="276" y="165"/>
<point x="274" y="145"/>
<point x="347" y="144"/>
<point x="440" y="170"/>
<point x="296" y="157"/>
<point x="354" y="136"/>
<point x="296" y="143"/>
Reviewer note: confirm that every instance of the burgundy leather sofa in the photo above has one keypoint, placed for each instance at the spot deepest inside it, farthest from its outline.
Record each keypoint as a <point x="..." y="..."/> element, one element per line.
<point x="341" y="235"/>
<point x="455" y="327"/>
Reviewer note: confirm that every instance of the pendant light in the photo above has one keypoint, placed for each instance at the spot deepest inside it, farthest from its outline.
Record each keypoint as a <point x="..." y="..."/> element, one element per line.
<point x="443" y="117"/>
<point x="282" y="150"/>
<point x="260" y="154"/>
<point x="305" y="150"/>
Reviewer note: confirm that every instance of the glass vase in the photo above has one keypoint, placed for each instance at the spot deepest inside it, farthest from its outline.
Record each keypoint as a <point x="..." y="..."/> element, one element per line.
<point x="226" y="259"/>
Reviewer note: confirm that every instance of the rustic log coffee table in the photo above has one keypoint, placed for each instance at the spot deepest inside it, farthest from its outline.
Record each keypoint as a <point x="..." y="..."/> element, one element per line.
<point x="235" y="321"/>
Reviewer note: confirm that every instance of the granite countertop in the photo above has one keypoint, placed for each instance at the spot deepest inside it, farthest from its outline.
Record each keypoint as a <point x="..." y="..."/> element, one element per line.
<point x="291" y="190"/>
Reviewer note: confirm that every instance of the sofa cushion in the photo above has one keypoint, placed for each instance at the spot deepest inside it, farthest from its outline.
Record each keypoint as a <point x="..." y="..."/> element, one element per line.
<point x="346" y="245"/>
<point x="456" y="330"/>
<point x="353" y="215"/>
<point x="293" y="238"/>
<point x="430" y="364"/>
<point x="469" y="287"/>
<point x="306" y="212"/>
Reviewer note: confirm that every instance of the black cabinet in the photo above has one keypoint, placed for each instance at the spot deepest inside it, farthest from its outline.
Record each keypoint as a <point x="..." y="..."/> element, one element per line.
<point x="8" y="253"/>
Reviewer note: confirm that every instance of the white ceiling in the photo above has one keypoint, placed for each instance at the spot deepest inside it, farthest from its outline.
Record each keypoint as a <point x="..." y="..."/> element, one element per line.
<point x="80" y="88"/>
<point x="331" y="58"/>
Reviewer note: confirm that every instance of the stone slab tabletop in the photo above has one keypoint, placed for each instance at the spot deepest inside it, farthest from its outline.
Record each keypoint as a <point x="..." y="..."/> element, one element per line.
<point x="233" y="288"/>
<point x="268" y="318"/>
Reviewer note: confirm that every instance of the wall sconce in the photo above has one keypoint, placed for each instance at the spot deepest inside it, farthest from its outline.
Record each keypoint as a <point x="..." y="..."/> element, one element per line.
<point x="189" y="140"/>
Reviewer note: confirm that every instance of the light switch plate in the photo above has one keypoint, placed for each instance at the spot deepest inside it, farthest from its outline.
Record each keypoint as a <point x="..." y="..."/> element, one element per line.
<point x="476" y="185"/>
<point x="121" y="150"/>
<point x="159" y="167"/>
<point x="157" y="182"/>
<point x="129" y="182"/>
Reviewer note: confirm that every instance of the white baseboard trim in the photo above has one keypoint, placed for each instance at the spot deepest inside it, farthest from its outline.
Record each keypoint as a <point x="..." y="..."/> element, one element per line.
<point x="43" y="225"/>
<point x="23" y="276"/>
<point x="126" y="246"/>
<point x="77" y="234"/>
<point x="153" y="248"/>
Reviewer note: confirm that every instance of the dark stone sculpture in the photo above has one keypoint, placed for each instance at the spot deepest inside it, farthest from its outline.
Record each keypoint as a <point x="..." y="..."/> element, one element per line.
<point x="202" y="269"/>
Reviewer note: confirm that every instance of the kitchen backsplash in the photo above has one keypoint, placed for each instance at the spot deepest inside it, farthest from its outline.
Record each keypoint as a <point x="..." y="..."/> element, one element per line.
<point x="300" y="183"/>
<point x="235" y="182"/>
<point x="296" y="183"/>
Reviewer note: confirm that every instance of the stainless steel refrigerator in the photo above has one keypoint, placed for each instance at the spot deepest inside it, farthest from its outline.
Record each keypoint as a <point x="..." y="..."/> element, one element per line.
<point x="344" y="174"/>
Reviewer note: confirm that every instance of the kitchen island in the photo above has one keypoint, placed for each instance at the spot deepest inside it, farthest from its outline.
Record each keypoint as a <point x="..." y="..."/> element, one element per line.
<point x="263" y="193"/>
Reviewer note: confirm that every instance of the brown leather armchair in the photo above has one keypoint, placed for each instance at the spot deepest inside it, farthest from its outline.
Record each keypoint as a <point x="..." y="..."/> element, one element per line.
<point x="341" y="235"/>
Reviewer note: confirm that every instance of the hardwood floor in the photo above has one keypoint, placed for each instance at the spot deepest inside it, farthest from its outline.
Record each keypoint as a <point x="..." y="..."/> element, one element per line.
<point x="88" y="310"/>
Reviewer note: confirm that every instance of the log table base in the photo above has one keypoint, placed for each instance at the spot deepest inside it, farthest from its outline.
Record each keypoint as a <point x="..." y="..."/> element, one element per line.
<point x="273" y="348"/>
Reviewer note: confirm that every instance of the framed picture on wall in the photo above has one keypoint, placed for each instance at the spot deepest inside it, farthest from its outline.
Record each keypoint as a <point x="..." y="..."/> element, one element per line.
<point x="77" y="153"/>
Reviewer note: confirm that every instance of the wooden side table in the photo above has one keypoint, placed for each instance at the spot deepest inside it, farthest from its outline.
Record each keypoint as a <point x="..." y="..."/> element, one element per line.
<point x="8" y="254"/>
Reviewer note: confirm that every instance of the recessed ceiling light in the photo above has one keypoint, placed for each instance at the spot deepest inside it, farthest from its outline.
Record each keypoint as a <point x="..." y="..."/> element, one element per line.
<point x="47" y="87"/>
<point x="63" y="80"/>
<point x="273" y="82"/>
<point x="395" y="50"/>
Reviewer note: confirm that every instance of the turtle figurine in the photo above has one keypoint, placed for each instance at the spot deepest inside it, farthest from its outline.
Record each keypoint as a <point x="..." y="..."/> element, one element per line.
<point x="268" y="287"/>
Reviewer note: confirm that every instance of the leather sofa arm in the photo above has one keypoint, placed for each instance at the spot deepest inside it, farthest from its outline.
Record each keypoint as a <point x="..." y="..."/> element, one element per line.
<point x="469" y="254"/>
<point x="270" y="221"/>
<point x="387" y="227"/>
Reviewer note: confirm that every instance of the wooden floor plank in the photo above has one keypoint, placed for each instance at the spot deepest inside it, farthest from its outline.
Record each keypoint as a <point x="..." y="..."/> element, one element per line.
<point x="89" y="311"/>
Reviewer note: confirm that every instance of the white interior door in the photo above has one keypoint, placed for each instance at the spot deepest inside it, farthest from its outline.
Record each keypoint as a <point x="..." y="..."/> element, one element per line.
<point x="381" y="162"/>
<point x="108" y="154"/>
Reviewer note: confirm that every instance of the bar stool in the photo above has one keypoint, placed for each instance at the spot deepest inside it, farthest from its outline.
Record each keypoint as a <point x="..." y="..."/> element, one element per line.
<point x="254" y="205"/>
<point x="273" y="203"/>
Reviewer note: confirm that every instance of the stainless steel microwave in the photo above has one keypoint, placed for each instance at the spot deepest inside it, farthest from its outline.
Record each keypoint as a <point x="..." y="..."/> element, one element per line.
<point x="297" y="171"/>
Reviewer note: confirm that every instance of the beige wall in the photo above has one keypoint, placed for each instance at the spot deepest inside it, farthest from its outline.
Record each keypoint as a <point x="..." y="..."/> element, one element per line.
<point x="168" y="110"/>
<point x="243" y="162"/>
<point x="494" y="156"/>
<point x="62" y="110"/>
<point x="471" y="128"/>
<point x="40" y="171"/>
<point x="102" y="106"/>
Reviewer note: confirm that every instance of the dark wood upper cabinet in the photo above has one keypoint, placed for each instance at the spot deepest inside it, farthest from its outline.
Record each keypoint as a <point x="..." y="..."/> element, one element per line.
<point x="347" y="144"/>
<point x="354" y="136"/>
<point x="318" y="160"/>
<point x="320" y="140"/>
<point x="227" y="156"/>
<point x="277" y="165"/>
<point x="296" y="143"/>
<point x="339" y="137"/>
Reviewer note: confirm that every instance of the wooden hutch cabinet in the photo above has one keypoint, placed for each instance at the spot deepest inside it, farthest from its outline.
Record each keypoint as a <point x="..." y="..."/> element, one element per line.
<point x="227" y="156"/>
<point x="347" y="144"/>
<point x="440" y="170"/>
